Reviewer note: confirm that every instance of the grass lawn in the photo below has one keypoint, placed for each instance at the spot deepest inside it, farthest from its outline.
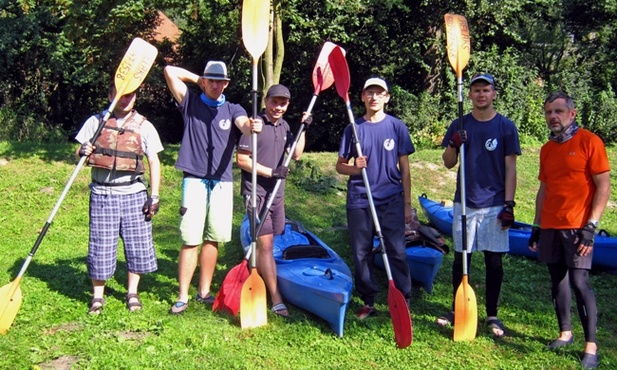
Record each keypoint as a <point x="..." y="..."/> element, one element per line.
<point x="53" y="331"/>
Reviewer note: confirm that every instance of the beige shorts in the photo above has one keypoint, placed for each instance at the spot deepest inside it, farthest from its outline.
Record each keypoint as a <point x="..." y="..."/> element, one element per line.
<point x="206" y="211"/>
<point x="483" y="230"/>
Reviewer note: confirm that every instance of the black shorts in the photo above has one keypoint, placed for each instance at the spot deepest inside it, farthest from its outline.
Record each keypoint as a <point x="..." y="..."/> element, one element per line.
<point x="274" y="222"/>
<point x="558" y="246"/>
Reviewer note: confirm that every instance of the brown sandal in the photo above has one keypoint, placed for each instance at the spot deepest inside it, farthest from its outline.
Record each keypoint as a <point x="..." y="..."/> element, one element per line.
<point x="96" y="306"/>
<point x="136" y="304"/>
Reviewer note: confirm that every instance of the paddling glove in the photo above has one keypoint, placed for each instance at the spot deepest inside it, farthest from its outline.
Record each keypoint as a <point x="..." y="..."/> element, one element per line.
<point x="506" y="215"/>
<point x="307" y="122"/>
<point x="280" y="172"/>
<point x="151" y="206"/>
<point x="458" y="139"/>
<point x="84" y="149"/>
<point x="586" y="235"/>
<point x="535" y="236"/>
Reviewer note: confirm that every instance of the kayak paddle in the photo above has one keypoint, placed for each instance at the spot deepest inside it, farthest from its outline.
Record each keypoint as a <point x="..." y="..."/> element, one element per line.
<point x="255" y="23"/>
<point x="465" y="305"/>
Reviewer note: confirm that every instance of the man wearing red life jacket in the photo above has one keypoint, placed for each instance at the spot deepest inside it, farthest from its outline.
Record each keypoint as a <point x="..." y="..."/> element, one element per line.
<point x="119" y="202"/>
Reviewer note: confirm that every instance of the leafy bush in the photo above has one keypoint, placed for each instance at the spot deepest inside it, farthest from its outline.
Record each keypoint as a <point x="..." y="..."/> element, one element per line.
<point x="18" y="126"/>
<point x="422" y="114"/>
<point x="308" y="176"/>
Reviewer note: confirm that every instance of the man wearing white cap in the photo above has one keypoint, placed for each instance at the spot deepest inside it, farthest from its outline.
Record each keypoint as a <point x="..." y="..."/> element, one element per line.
<point x="386" y="145"/>
<point x="212" y="127"/>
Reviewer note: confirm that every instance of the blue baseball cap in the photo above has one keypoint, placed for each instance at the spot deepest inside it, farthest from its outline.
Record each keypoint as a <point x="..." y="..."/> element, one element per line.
<point x="488" y="78"/>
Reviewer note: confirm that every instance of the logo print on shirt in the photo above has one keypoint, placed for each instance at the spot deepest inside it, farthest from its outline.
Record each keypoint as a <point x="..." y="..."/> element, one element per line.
<point x="491" y="144"/>
<point x="225" y="124"/>
<point x="388" y="144"/>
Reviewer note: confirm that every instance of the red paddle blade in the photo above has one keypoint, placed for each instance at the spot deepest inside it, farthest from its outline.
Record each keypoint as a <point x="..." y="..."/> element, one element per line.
<point x="340" y="70"/>
<point x="228" y="298"/>
<point x="401" y="319"/>
<point x="322" y="73"/>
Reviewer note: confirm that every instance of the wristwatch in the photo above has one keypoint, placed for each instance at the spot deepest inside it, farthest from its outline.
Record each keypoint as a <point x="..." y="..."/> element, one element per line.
<point x="595" y="223"/>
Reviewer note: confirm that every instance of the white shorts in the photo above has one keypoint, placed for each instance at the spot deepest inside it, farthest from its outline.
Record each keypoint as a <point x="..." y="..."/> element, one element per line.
<point x="484" y="231"/>
<point x="205" y="214"/>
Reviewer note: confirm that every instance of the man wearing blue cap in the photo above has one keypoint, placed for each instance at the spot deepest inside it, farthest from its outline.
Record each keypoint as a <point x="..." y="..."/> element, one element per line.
<point x="212" y="127"/>
<point x="491" y="148"/>
<point x="272" y="144"/>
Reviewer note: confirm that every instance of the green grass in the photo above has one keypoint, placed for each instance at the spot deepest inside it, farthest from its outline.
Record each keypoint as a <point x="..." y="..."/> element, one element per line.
<point x="53" y="331"/>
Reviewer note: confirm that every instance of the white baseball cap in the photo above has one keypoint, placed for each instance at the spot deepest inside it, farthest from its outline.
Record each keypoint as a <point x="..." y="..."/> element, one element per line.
<point x="375" y="82"/>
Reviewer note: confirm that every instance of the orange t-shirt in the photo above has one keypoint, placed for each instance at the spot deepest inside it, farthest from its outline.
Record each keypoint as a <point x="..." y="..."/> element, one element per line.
<point x="566" y="170"/>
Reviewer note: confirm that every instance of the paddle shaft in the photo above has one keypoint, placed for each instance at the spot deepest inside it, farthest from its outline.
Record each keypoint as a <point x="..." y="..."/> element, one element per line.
<point x="462" y="178"/>
<point x="322" y="79"/>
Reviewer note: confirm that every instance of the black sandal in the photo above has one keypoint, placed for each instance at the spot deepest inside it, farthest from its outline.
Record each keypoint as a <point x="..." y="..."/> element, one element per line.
<point x="496" y="324"/>
<point x="446" y="319"/>
<point x="135" y="305"/>
<point x="96" y="306"/>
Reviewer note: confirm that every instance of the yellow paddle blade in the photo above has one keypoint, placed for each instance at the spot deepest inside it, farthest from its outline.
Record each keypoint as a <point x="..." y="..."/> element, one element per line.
<point x="465" y="312"/>
<point x="255" y="26"/>
<point x="458" y="42"/>
<point x="10" y="301"/>
<point x="253" y="306"/>
<point x="134" y="66"/>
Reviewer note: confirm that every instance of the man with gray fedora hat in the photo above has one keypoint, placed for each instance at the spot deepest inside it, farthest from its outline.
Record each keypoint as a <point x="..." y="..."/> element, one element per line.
<point x="212" y="127"/>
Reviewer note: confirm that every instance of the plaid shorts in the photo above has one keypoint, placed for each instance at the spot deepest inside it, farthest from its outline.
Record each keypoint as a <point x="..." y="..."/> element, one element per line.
<point x="113" y="216"/>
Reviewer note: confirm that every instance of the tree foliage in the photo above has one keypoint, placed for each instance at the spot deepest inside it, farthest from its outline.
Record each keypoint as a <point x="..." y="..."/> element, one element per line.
<point x="57" y="57"/>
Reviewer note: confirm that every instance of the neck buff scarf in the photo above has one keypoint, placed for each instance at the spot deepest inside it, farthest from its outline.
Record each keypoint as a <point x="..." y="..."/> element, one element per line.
<point x="565" y="135"/>
<point x="212" y="103"/>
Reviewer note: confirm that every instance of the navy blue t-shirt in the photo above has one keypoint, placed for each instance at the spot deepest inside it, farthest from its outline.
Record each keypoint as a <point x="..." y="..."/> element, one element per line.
<point x="272" y="143"/>
<point x="382" y="143"/>
<point x="209" y="138"/>
<point x="488" y="144"/>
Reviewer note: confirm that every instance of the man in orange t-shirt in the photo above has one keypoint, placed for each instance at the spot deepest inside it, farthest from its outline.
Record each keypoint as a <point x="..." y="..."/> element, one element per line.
<point x="574" y="190"/>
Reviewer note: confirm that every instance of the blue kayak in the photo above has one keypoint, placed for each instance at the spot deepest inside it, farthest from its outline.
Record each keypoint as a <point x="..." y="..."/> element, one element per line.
<point x="424" y="263"/>
<point x="604" y="251"/>
<point x="310" y="274"/>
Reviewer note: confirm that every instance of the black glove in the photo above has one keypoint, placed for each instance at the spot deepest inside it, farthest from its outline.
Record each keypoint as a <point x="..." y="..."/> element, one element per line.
<point x="83" y="149"/>
<point x="586" y="235"/>
<point x="506" y="215"/>
<point x="458" y="139"/>
<point x="535" y="236"/>
<point x="280" y="172"/>
<point x="151" y="206"/>
<point x="307" y="122"/>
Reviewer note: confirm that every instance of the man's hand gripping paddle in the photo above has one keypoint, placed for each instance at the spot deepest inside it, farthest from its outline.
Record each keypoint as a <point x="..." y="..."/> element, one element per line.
<point x="397" y="305"/>
<point x="130" y="74"/>
<point x="228" y="298"/>
<point x="465" y="304"/>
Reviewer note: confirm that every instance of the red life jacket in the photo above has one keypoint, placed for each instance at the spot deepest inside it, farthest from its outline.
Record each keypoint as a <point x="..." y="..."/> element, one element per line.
<point x="119" y="148"/>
